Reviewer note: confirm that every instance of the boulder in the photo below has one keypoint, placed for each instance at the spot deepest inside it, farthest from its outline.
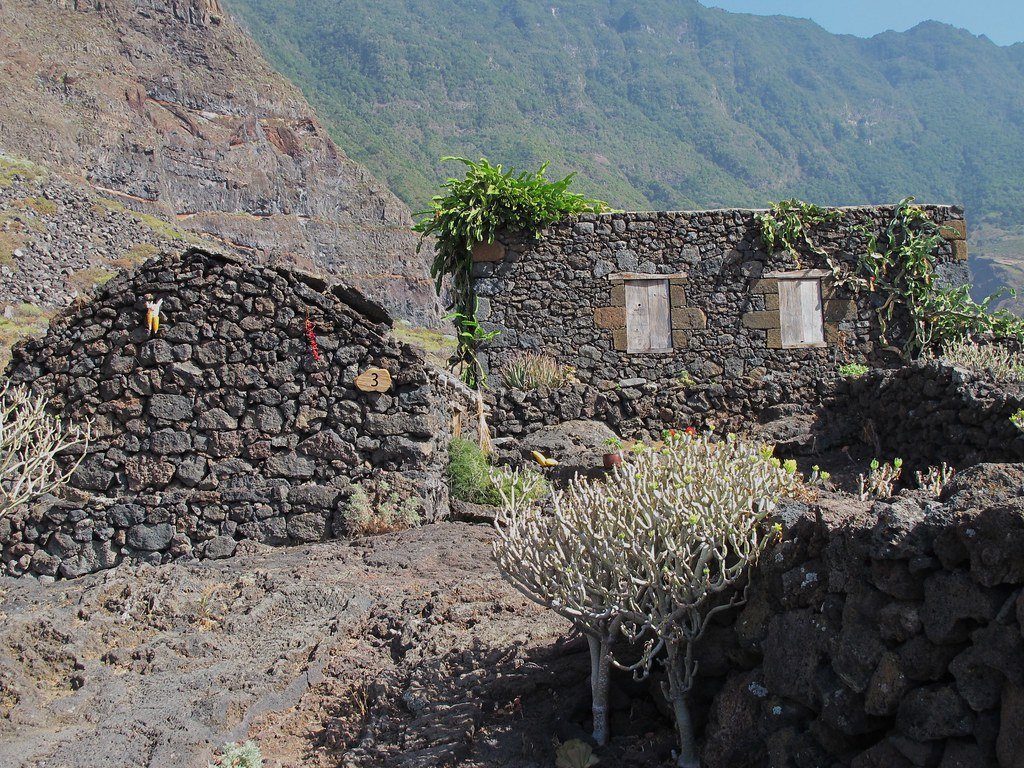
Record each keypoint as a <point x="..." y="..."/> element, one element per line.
<point x="577" y="445"/>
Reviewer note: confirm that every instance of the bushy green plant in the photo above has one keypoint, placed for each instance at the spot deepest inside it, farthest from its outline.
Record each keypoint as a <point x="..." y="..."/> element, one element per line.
<point x="469" y="473"/>
<point x="1017" y="419"/>
<point x="994" y="360"/>
<point x="535" y="370"/>
<point x="473" y="210"/>
<point x="234" y="755"/>
<point x="642" y="556"/>
<point x="853" y="370"/>
<point x="901" y="264"/>
<point x="471" y="477"/>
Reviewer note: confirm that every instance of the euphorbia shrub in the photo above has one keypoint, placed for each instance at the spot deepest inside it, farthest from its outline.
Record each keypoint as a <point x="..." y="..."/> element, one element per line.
<point x="641" y="555"/>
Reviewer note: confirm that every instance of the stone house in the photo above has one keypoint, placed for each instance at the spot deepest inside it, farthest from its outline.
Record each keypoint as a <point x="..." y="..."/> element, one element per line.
<point x="224" y="425"/>
<point x="673" y="317"/>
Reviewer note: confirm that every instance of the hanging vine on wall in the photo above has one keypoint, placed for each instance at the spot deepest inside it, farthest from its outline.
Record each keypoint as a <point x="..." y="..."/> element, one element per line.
<point x="788" y="223"/>
<point x="899" y="263"/>
<point x="471" y="211"/>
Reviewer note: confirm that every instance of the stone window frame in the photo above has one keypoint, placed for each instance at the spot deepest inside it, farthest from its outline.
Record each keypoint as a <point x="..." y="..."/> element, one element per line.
<point x="685" y="319"/>
<point x="834" y="308"/>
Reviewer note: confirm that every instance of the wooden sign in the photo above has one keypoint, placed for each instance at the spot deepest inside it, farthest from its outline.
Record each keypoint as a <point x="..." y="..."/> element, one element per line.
<point x="373" y="380"/>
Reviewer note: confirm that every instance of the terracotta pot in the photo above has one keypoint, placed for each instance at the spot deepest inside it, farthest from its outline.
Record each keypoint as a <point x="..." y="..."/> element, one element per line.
<point x="612" y="460"/>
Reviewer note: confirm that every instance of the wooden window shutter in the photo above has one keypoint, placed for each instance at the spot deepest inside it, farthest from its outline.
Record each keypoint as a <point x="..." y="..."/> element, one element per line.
<point x="800" y="313"/>
<point x="648" y="316"/>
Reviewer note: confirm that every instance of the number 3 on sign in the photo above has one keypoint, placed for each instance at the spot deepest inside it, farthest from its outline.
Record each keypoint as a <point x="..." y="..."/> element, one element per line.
<point x="373" y="380"/>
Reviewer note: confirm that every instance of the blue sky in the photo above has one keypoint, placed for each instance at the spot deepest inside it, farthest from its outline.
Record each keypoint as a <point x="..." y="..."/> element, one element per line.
<point x="1002" y="21"/>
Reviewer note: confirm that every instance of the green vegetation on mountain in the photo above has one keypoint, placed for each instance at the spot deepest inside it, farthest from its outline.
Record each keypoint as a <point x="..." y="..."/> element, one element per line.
<point x="659" y="103"/>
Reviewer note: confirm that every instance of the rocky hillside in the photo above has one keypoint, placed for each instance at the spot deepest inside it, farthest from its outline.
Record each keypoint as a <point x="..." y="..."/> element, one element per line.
<point x="59" y="239"/>
<point x="168" y="107"/>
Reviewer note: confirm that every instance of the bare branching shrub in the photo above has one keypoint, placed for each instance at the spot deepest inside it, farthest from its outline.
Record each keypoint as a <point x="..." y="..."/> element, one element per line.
<point x="533" y="370"/>
<point x="644" y="555"/>
<point x="31" y="440"/>
<point x="994" y="360"/>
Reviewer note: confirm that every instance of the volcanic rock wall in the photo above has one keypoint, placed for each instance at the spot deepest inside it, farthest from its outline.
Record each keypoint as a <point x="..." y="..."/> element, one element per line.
<point x="223" y="426"/>
<point x="929" y="412"/>
<point x="563" y="294"/>
<point x="885" y="634"/>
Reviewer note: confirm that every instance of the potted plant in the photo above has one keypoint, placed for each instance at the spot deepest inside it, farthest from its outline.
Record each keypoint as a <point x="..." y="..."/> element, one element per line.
<point x="614" y="457"/>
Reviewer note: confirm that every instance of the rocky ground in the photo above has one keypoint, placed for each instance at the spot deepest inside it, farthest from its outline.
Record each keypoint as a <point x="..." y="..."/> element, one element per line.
<point x="400" y="650"/>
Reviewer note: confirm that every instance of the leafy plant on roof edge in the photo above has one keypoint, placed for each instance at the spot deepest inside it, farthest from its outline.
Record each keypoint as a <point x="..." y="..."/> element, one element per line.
<point x="900" y="263"/>
<point x="472" y="210"/>
<point x="789" y="222"/>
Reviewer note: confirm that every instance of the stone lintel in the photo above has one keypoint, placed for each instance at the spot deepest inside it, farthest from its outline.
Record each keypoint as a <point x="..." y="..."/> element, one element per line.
<point x="954" y="229"/>
<point x="799" y="274"/>
<point x="688" y="319"/>
<point x="762" y="320"/>
<point x="610" y="317"/>
<point x="619" y="277"/>
<point x="488" y="252"/>
<point x="764" y="286"/>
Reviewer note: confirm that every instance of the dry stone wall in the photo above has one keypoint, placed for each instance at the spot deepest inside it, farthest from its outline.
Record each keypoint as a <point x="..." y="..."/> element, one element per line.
<point x="223" y="426"/>
<point x="879" y="635"/>
<point x="928" y="413"/>
<point x="564" y="294"/>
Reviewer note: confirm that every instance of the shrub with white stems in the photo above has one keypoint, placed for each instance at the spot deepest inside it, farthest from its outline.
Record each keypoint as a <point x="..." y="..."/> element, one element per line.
<point x="643" y="555"/>
<point x="31" y="442"/>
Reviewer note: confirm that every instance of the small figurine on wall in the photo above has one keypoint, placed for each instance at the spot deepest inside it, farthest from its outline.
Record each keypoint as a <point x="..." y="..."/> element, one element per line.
<point x="153" y="314"/>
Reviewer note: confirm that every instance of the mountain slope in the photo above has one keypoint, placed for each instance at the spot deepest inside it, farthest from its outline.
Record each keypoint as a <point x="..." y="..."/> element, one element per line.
<point x="168" y="106"/>
<point x="659" y="103"/>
